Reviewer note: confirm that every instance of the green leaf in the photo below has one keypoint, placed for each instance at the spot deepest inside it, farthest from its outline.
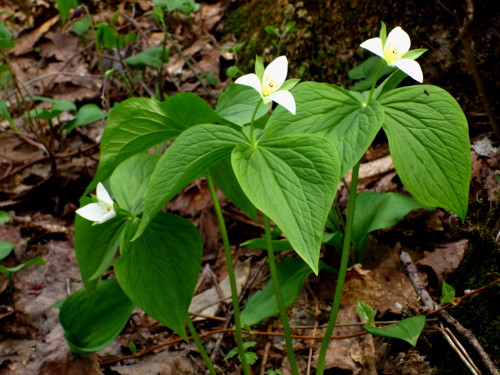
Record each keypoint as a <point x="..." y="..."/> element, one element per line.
<point x="447" y="293"/>
<point x="429" y="143"/>
<point x="159" y="270"/>
<point x="408" y="329"/>
<point x="5" y="249"/>
<point x="366" y="313"/>
<point x="96" y="245"/>
<point x="105" y="36"/>
<point x="184" y="6"/>
<point x="92" y="321"/>
<point x="289" y="84"/>
<point x="226" y="181"/>
<point x="332" y="112"/>
<point x="414" y="53"/>
<point x="36" y="261"/>
<point x="291" y="275"/>
<point x="138" y="124"/>
<point x="64" y="6"/>
<point x="281" y="245"/>
<point x="58" y="107"/>
<point x="87" y="114"/>
<point x="4" y="217"/>
<point x="130" y="180"/>
<point x="4" y="112"/>
<point x="237" y="104"/>
<point x="149" y="57"/>
<point x="259" y="68"/>
<point x="377" y="211"/>
<point x="189" y="157"/>
<point x="80" y="27"/>
<point x="293" y="180"/>
<point x="261" y="244"/>
<point x="5" y="36"/>
<point x="271" y="30"/>
<point x="366" y="72"/>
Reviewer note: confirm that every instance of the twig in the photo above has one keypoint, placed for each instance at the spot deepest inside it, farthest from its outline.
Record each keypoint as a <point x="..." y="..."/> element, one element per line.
<point x="429" y="305"/>
<point x="460" y="350"/>
<point x="267" y="348"/>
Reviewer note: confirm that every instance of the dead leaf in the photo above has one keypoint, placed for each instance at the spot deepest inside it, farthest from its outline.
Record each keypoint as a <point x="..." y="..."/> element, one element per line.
<point x="355" y="354"/>
<point x="384" y="287"/>
<point x="164" y="363"/>
<point x="61" y="46"/>
<point x="27" y="42"/>
<point x="444" y="260"/>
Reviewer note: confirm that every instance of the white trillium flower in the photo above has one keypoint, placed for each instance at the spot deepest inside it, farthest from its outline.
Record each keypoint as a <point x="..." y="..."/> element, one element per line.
<point x="395" y="50"/>
<point x="270" y="82"/>
<point x="100" y="211"/>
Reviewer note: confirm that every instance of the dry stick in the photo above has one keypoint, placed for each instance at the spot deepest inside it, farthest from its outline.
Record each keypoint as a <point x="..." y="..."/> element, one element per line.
<point x="267" y="349"/>
<point x="457" y="346"/>
<point x="429" y="305"/>
<point x="466" y="39"/>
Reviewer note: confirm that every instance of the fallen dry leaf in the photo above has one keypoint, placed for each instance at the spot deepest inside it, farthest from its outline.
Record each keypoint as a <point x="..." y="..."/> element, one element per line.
<point x="444" y="260"/>
<point x="356" y="354"/>
<point x="384" y="287"/>
<point x="164" y="363"/>
<point x="27" y="42"/>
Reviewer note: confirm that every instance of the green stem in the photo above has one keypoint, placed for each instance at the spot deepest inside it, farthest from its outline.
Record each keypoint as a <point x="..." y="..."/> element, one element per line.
<point x="252" y="126"/>
<point x="279" y="298"/>
<point x="377" y="75"/>
<point x="232" y="277"/>
<point x="351" y="205"/>
<point x="200" y="346"/>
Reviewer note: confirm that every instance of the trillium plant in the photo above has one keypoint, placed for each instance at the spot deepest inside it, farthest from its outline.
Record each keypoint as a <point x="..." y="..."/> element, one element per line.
<point x="281" y="166"/>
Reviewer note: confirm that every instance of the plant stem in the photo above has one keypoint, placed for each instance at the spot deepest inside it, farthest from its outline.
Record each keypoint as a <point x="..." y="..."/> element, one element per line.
<point x="351" y="205"/>
<point x="252" y="126"/>
<point x="232" y="277"/>
<point x="377" y="75"/>
<point x="279" y="297"/>
<point x="200" y="346"/>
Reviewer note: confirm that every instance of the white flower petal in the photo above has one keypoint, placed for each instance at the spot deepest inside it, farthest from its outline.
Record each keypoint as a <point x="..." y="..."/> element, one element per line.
<point x="277" y="70"/>
<point x="398" y="38"/>
<point x="109" y="215"/>
<point x="374" y="45"/>
<point x="410" y="67"/>
<point x="250" y="80"/>
<point x="284" y="98"/>
<point x="103" y="196"/>
<point x="93" y="212"/>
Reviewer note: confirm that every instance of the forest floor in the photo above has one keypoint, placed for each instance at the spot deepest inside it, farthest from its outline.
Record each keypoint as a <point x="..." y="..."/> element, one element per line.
<point x="45" y="170"/>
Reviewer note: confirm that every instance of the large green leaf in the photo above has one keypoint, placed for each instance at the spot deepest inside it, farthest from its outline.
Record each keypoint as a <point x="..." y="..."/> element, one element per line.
<point x="138" y="124"/>
<point x="96" y="245"/>
<point x="376" y="211"/>
<point x="237" y="104"/>
<point x="226" y="181"/>
<point x="159" y="270"/>
<point x="408" y="329"/>
<point x="291" y="275"/>
<point x="91" y="321"/>
<point x="334" y="113"/>
<point x="293" y="180"/>
<point x="192" y="154"/>
<point x="429" y="143"/>
<point x="130" y="180"/>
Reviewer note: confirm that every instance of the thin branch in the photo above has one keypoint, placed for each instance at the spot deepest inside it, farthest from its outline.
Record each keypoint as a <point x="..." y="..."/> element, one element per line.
<point x="429" y="305"/>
